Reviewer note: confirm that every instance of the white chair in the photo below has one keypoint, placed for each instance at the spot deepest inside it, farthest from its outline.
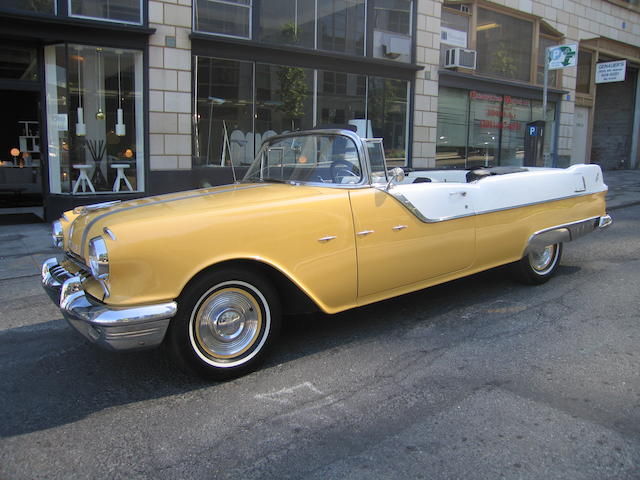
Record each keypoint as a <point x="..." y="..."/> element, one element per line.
<point x="121" y="177"/>
<point x="83" y="179"/>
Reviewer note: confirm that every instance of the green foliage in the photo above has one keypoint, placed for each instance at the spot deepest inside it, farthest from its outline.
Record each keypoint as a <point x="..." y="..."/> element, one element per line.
<point x="293" y="86"/>
<point x="293" y="91"/>
<point x="503" y="63"/>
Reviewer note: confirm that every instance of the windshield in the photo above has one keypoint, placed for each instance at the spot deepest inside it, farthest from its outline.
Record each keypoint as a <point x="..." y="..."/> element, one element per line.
<point x="331" y="159"/>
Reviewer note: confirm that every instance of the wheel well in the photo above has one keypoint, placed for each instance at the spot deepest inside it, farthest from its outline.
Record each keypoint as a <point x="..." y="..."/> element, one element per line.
<point x="292" y="298"/>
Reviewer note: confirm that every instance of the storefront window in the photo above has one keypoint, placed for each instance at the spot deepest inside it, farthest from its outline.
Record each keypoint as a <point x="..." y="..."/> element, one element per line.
<point x="485" y="123"/>
<point x="387" y="113"/>
<point x="341" y="26"/>
<point x="504" y="45"/>
<point x="37" y="6"/>
<point x="224" y="112"/>
<point x="128" y="11"/>
<point x="94" y="119"/>
<point x="288" y="22"/>
<point x="483" y="129"/>
<point x="340" y="100"/>
<point x="453" y="129"/>
<point x="225" y="17"/>
<point x="284" y="100"/>
<point x="516" y="113"/>
<point x="240" y="104"/>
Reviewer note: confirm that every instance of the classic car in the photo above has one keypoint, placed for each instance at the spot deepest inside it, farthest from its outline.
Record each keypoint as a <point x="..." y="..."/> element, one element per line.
<point x="318" y="222"/>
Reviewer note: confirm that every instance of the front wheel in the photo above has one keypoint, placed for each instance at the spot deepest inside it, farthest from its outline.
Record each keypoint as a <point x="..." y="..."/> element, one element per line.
<point x="539" y="265"/>
<point x="226" y="321"/>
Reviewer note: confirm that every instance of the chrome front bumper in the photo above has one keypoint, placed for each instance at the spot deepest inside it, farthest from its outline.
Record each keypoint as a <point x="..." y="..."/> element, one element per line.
<point x="113" y="328"/>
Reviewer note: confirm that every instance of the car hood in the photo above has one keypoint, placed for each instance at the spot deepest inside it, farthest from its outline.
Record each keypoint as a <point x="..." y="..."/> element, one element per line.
<point x="158" y="211"/>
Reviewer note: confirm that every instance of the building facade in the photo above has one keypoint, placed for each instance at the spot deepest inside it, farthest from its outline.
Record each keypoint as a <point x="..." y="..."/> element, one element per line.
<point x="116" y="99"/>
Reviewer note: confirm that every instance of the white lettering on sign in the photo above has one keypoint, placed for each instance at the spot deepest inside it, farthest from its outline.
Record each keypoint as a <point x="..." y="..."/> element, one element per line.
<point x="562" y="56"/>
<point x="611" y="71"/>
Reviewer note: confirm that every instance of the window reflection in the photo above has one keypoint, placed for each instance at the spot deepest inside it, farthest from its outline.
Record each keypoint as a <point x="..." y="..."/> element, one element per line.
<point x="504" y="45"/>
<point x="288" y="22"/>
<point x="118" y="10"/>
<point x="238" y="105"/>
<point x="341" y="26"/>
<point x="39" y="6"/>
<point x="340" y="99"/>
<point x="387" y="112"/>
<point x="228" y="17"/>
<point x="224" y="105"/>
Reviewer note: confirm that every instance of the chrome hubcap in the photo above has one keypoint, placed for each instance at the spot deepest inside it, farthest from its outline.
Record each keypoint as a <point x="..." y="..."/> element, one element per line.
<point x="227" y="323"/>
<point x="542" y="260"/>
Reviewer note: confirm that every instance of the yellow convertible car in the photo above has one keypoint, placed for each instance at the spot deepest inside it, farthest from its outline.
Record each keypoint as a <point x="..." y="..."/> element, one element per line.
<point x="317" y="223"/>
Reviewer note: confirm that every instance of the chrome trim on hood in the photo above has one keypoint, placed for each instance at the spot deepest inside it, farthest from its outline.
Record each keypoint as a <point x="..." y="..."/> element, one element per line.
<point x="156" y="202"/>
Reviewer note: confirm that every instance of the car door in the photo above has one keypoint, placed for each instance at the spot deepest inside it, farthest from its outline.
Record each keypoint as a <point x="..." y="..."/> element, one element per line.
<point x="399" y="242"/>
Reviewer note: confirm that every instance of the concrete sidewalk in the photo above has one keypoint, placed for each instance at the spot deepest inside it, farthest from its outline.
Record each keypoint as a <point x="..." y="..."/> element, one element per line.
<point x="25" y="247"/>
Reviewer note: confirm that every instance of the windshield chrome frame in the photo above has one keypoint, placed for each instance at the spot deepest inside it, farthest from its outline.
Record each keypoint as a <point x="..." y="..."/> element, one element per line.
<point x="363" y="156"/>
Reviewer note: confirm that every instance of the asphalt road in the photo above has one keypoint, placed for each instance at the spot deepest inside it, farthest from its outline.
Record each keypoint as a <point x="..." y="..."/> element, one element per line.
<point x="477" y="379"/>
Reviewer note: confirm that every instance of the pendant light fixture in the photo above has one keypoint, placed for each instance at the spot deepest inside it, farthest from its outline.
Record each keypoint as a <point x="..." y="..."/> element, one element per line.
<point x="100" y="112"/>
<point x="81" y="127"/>
<point x="121" y="129"/>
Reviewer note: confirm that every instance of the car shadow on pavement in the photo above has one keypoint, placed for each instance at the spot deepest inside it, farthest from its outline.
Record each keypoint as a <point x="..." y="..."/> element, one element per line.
<point x="59" y="378"/>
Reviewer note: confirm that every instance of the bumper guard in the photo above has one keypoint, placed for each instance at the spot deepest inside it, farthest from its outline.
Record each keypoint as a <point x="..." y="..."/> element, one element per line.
<point x="112" y="328"/>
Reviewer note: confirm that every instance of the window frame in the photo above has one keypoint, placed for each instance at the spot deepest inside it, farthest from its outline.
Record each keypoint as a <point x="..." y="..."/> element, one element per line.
<point x="538" y="24"/>
<point x="101" y="19"/>
<point x="249" y="6"/>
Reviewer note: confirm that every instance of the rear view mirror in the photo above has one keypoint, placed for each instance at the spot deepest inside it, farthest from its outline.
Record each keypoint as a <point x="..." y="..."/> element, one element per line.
<point x="396" y="175"/>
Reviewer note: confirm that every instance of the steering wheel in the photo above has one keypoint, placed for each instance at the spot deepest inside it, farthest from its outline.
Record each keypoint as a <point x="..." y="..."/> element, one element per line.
<point x="342" y="168"/>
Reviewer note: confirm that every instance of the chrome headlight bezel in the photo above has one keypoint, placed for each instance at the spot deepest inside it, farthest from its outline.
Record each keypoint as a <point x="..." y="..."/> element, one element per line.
<point x="57" y="236"/>
<point x="99" y="258"/>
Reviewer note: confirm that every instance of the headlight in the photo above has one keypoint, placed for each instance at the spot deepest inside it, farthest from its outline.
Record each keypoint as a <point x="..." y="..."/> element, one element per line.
<point x="56" y="234"/>
<point x="98" y="258"/>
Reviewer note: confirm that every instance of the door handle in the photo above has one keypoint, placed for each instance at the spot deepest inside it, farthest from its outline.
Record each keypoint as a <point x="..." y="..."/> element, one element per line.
<point x="397" y="228"/>
<point x="326" y="239"/>
<point x="364" y="233"/>
<point x="461" y="193"/>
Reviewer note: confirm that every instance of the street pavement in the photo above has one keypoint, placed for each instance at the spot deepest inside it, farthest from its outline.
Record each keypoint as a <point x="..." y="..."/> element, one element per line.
<point x="476" y="379"/>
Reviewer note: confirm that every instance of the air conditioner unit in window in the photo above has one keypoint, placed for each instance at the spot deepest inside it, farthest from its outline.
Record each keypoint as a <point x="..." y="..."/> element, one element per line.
<point x="460" y="57"/>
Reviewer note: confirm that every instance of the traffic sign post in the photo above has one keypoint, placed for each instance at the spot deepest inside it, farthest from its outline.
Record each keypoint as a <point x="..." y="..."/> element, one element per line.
<point x="557" y="57"/>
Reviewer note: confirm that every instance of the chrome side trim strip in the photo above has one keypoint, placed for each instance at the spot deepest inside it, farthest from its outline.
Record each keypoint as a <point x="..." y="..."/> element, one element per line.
<point x="157" y="202"/>
<point x="412" y="208"/>
<point x="564" y="233"/>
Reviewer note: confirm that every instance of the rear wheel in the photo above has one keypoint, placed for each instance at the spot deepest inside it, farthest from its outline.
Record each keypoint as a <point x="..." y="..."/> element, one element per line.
<point x="226" y="321"/>
<point x="539" y="265"/>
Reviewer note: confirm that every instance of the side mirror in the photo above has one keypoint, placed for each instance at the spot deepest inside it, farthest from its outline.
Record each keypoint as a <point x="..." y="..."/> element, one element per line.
<point x="396" y="175"/>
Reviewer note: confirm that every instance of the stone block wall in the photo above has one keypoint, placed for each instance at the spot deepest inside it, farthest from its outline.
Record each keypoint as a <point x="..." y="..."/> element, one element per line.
<point x="426" y="91"/>
<point x="170" y="102"/>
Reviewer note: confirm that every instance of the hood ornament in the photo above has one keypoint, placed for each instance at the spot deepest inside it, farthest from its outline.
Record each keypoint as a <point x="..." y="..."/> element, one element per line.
<point x="84" y="209"/>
